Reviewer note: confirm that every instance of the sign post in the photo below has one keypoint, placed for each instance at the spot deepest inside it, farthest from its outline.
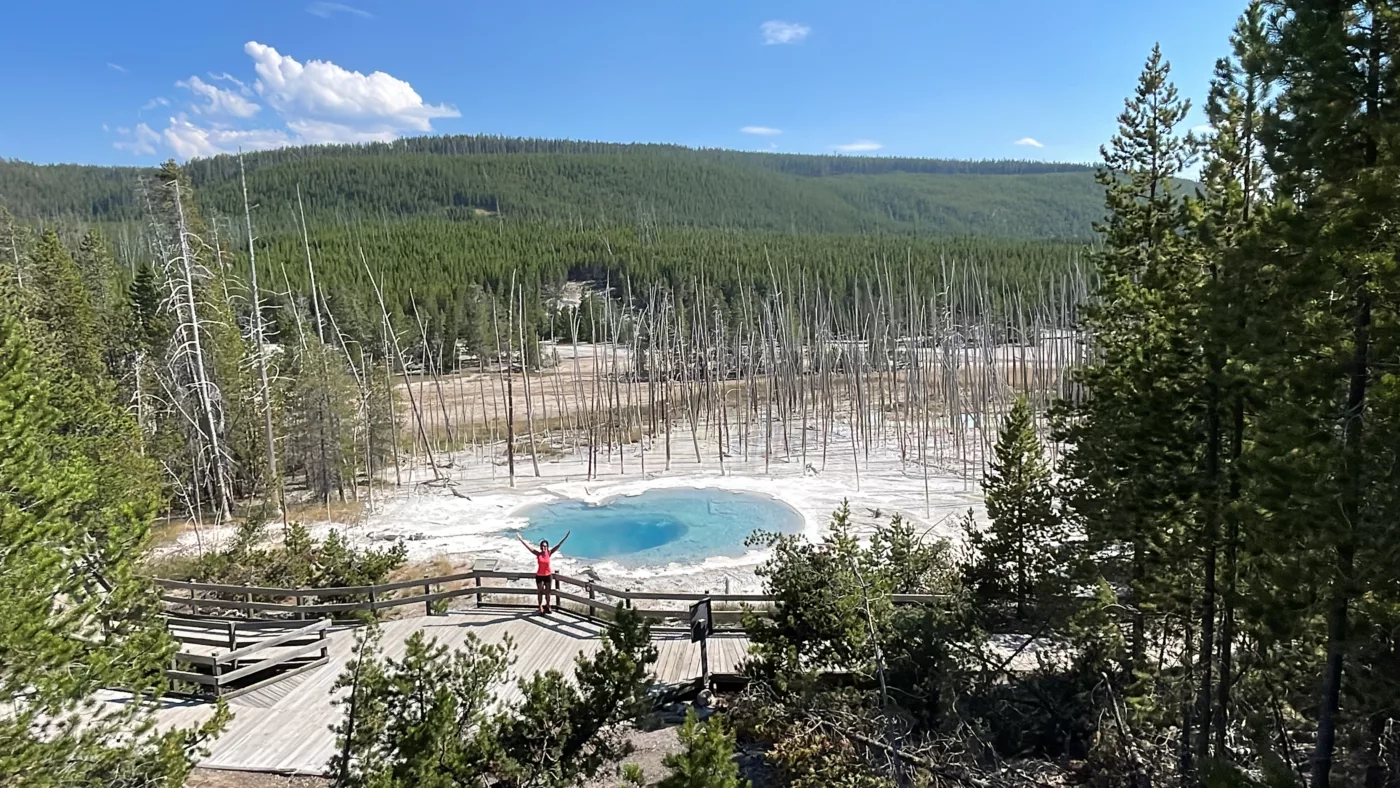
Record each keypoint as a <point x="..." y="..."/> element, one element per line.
<point x="700" y="628"/>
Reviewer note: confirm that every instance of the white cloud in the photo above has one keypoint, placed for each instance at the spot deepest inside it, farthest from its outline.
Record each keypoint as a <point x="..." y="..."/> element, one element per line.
<point x="138" y="142"/>
<point x="776" y="31"/>
<point x="221" y="102"/>
<point x="1029" y="141"/>
<point x="315" y="102"/>
<point x="762" y="131"/>
<point x="325" y="10"/>
<point x="227" y="77"/>
<point x="320" y="132"/>
<point x="188" y="140"/>
<point x="321" y="90"/>
<point x="115" y="67"/>
<point x="859" y="146"/>
<point x="1203" y="130"/>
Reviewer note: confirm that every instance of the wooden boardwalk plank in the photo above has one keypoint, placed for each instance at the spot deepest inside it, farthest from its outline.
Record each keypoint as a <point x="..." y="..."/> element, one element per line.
<point x="286" y="727"/>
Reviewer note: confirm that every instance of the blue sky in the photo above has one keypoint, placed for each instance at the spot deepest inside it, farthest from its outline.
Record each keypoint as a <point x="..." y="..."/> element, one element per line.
<point x="137" y="82"/>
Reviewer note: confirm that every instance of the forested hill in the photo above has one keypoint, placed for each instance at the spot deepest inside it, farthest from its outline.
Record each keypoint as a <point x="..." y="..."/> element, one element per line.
<point x="472" y="177"/>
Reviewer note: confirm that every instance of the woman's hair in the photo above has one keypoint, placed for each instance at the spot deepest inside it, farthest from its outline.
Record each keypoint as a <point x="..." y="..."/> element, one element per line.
<point x="544" y="543"/>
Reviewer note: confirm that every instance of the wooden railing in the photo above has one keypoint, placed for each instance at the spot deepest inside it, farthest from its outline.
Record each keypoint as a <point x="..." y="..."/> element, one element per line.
<point x="587" y="595"/>
<point x="228" y="657"/>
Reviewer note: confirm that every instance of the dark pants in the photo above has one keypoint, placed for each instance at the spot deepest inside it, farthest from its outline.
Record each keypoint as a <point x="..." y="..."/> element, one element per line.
<point x="542" y="584"/>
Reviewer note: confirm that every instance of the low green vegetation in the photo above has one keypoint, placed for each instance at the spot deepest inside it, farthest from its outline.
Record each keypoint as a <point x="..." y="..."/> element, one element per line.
<point x="296" y="560"/>
<point x="429" y="719"/>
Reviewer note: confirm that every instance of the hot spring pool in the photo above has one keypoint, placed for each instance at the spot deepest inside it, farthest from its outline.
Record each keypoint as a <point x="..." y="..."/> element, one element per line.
<point x="659" y="527"/>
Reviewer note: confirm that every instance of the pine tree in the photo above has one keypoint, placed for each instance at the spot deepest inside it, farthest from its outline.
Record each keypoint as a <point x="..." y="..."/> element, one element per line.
<point x="99" y="272"/>
<point x="149" y="325"/>
<point x="422" y="720"/>
<point x="1125" y="456"/>
<point x="320" y="419"/>
<point x="1327" y="428"/>
<point x="564" y="732"/>
<point x="707" y="760"/>
<point x="77" y="617"/>
<point x="430" y="718"/>
<point x="106" y="284"/>
<point x="1140" y="425"/>
<point x="60" y="306"/>
<point x="1020" y="550"/>
<point x="1225" y="222"/>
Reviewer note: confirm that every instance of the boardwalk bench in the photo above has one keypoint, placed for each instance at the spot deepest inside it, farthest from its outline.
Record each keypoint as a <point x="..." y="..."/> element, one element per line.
<point x="228" y="657"/>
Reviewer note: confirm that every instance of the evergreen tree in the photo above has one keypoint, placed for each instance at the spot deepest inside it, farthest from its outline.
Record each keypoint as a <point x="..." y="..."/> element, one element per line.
<point x="429" y="718"/>
<point x="1020" y="550"/>
<point x="319" y="419"/>
<point x="423" y="721"/>
<point x="564" y="732"/>
<point x="149" y="324"/>
<point x="1326" y="445"/>
<point x="833" y="601"/>
<point x="100" y="273"/>
<point x="88" y="423"/>
<point x="1138" y="428"/>
<point x="60" y="306"/>
<point x="707" y="760"/>
<point x="1225" y="221"/>
<point x="111" y="309"/>
<point x="77" y="617"/>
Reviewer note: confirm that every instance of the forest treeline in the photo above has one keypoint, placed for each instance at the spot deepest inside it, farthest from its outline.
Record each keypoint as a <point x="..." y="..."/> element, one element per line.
<point x="449" y="274"/>
<point x="445" y="223"/>
<point x="458" y="179"/>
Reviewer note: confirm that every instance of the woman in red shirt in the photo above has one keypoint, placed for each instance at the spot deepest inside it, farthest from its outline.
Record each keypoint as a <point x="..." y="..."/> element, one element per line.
<point x="543" y="572"/>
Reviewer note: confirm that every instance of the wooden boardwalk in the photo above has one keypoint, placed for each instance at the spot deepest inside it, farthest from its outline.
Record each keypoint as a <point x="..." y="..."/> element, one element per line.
<point x="286" y="727"/>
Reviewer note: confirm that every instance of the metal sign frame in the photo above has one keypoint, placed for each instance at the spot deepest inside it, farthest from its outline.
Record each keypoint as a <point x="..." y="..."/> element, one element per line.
<point x="701" y="621"/>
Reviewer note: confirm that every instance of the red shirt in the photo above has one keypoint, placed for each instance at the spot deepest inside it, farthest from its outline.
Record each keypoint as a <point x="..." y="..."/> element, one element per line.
<point x="542" y="564"/>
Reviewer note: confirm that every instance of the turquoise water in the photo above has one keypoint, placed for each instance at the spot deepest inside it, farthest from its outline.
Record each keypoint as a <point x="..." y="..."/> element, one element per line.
<point x="659" y="527"/>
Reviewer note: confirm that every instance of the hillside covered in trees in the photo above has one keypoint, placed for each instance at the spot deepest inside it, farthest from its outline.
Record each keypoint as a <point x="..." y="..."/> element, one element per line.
<point x="591" y="184"/>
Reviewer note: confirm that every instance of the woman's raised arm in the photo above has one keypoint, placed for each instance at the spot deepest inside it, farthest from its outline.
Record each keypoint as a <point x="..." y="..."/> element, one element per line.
<point x="555" y="548"/>
<point x="527" y="544"/>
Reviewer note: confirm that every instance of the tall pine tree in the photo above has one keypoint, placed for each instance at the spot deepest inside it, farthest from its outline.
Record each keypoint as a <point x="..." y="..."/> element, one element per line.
<point x="1327" y="445"/>
<point x="1127" y="449"/>
<point x="77" y="617"/>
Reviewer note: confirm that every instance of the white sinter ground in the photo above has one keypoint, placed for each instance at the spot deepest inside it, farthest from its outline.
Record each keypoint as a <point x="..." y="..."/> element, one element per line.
<point x="436" y="521"/>
<point x="471" y="512"/>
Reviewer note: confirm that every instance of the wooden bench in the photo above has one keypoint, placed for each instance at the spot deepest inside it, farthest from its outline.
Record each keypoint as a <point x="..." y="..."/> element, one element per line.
<point x="229" y="657"/>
